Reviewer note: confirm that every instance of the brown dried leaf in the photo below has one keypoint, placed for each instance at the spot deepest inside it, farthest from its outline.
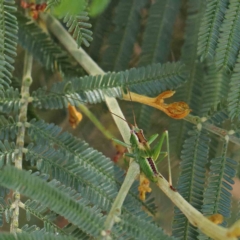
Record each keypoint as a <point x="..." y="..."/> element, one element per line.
<point x="143" y="187"/>
<point x="177" y="110"/>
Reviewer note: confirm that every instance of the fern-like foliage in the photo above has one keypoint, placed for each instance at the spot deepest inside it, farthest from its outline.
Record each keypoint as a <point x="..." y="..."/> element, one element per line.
<point x="41" y="212"/>
<point x="217" y="196"/>
<point x="8" y="36"/>
<point x="101" y="29"/>
<point x="234" y="92"/>
<point x="214" y="88"/>
<point x="36" y="235"/>
<point x="9" y="100"/>
<point x="218" y="114"/>
<point x="49" y="217"/>
<point x="195" y="12"/>
<point x="148" y="229"/>
<point x="210" y="28"/>
<point x="150" y="80"/>
<point x="8" y="128"/>
<point x="90" y="221"/>
<point x="77" y="24"/>
<point x="29" y="229"/>
<point x="121" y="40"/>
<point x="80" y="27"/>
<point x="158" y="33"/>
<point x="66" y="202"/>
<point x="7" y="153"/>
<point x="71" y="173"/>
<point x="156" y="43"/>
<point x="42" y="47"/>
<point x="229" y="40"/>
<point x="4" y="211"/>
<point x="191" y="91"/>
<point x="192" y="179"/>
<point x="52" y="3"/>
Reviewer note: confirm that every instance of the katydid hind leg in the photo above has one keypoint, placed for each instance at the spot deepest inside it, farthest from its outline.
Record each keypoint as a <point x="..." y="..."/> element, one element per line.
<point x="169" y="162"/>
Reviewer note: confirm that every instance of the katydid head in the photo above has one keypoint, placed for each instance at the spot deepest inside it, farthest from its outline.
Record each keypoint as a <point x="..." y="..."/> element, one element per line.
<point x="139" y="134"/>
<point x="135" y="130"/>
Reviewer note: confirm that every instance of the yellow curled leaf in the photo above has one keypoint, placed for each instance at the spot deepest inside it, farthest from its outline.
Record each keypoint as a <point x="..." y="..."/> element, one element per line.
<point x="166" y="94"/>
<point x="216" y="218"/>
<point x="234" y="230"/>
<point x="75" y="117"/>
<point x="143" y="187"/>
<point x="177" y="110"/>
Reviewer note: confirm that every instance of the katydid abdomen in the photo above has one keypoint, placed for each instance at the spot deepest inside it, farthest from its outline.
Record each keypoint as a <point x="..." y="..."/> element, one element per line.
<point x="149" y="168"/>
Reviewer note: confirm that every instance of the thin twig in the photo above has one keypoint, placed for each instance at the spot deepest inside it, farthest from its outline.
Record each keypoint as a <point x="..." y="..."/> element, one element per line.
<point x="212" y="128"/>
<point x="95" y="121"/>
<point x="115" y="212"/>
<point x="25" y="98"/>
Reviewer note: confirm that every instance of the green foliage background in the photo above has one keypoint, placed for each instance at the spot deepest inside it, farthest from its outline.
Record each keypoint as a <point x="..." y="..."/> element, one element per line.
<point x="68" y="182"/>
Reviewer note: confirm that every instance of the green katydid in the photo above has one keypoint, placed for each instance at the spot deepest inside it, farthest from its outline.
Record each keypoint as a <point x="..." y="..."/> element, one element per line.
<point x="146" y="156"/>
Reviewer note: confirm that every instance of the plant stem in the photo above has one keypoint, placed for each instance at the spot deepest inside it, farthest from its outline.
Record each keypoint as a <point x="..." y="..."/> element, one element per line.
<point x="212" y="128"/>
<point x="115" y="211"/>
<point x="26" y="82"/>
<point x="97" y="123"/>
<point x="195" y="217"/>
<point x="42" y="218"/>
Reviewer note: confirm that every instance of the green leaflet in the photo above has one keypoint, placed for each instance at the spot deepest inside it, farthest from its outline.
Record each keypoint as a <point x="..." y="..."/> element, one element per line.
<point x="37" y="235"/>
<point x="43" y="48"/>
<point x="210" y="28"/>
<point x="120" y="42"/>
<point x="228" y="45"/>
<point x="54" y="199"/>
<point x="8" y="45"/>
